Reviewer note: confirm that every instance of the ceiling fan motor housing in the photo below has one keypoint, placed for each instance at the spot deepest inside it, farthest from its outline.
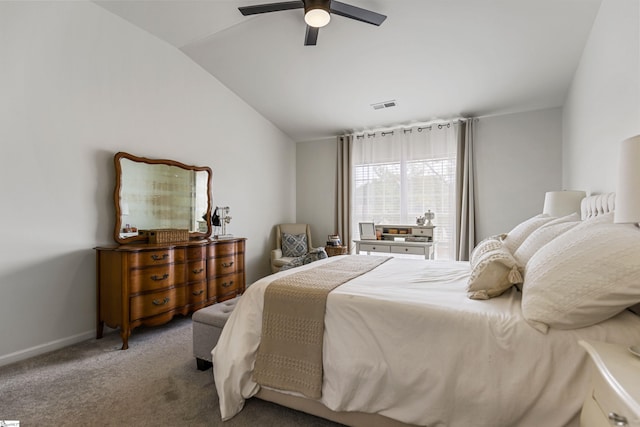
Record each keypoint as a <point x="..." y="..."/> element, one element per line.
<point x="317" y="4"/>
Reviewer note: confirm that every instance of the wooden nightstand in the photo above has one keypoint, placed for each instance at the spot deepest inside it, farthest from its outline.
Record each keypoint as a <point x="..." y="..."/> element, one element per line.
<point x="336" y="250"/>
<point x="614" y="395"/>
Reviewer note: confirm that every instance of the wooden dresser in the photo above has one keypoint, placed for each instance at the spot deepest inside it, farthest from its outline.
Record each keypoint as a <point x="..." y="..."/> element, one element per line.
<point x="148" y="284"/>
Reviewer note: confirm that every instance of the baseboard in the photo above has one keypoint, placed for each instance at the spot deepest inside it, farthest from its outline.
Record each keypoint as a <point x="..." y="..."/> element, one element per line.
<point x="45" y="348"/>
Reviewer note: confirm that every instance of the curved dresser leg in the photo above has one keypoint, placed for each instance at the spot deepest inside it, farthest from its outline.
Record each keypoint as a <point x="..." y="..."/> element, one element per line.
<point x="125" y="339"/>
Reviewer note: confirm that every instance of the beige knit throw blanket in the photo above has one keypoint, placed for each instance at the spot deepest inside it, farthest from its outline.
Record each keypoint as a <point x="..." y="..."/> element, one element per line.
<point x="290" y="352"/>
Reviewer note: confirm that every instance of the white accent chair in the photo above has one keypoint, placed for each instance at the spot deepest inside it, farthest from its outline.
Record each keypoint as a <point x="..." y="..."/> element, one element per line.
<point x="277" y="260"/>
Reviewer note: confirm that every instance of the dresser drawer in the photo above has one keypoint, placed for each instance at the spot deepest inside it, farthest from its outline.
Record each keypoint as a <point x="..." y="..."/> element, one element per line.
<point x="196" y="252"/>
<point x="225" y="265"/>
<point x="196" y="271"/>
<point x="374" y="247"/>
<point x="225" y="285"/>
<point x="197" y="293"/>
<point x="155" y="278"/>
<point x="148" y="258"/>
<point x="156" y="303"/>
<point x="226" y="248"/>
<point x="407" y="250"/>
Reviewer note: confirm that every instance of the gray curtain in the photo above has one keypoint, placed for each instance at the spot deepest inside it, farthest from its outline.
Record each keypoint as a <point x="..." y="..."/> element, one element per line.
<point x="465" y="205"/>
<point x="343" y="191"/>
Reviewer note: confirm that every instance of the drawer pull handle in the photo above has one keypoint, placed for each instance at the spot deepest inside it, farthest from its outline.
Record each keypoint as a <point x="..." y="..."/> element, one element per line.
<point x="161" y="302"/>
<point x="196" y="271"/>
<point x="227" y="264"/>
<point x="374" y="248"/>
<point x="617" y="420"/>
<point x="200" y="292"/>
<point x="227" y="284"/>
<point x="158" y="278"/>
<point x="159" y="258"/>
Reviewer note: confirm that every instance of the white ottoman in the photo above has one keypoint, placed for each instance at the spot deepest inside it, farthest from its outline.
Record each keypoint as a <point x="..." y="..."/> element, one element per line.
<point x="207" y="327"/>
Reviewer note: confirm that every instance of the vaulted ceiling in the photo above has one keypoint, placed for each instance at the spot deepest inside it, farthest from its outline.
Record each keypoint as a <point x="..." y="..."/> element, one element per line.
<point x="437" y="59"/>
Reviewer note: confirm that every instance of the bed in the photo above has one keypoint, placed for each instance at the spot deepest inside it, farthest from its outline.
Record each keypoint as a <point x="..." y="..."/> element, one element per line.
<point x="411" y="343"/>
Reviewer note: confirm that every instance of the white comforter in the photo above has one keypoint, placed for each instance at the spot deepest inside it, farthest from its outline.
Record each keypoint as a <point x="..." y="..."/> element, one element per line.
<point x="404" y="341"/>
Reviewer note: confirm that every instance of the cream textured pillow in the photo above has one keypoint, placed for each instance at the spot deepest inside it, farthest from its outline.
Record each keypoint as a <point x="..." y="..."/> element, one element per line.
<point x="543" y="235"/>
<point x="582" y="277"/>
<point x="489" y="244"/>
<point x="521" y="231"/>
<point x="493" y="273"/>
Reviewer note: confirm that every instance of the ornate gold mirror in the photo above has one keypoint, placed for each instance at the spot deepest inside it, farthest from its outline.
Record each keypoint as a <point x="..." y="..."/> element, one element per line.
<point x="158" y="194"/>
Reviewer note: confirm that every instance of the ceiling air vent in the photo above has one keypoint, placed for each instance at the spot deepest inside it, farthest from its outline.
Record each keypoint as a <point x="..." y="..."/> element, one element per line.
<point x="385" y="104"/>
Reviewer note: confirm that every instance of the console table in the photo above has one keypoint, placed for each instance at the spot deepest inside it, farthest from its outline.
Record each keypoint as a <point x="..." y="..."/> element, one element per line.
<point x="396" y="247"/>
<point x="400" y="239"/>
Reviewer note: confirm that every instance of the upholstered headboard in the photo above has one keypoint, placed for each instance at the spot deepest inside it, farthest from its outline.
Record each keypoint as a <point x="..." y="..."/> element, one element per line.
<point x="597" y="205"/>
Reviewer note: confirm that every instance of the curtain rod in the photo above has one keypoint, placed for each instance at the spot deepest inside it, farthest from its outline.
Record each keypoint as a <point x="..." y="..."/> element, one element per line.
<point x="410" y="128"/>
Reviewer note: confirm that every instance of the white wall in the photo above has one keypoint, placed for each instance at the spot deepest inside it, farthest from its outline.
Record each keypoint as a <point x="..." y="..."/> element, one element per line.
<point x="316" y="187"/>
<point x="78" y="84"/>
<point x="603" y="105"/>
<point x="518" y="159"/>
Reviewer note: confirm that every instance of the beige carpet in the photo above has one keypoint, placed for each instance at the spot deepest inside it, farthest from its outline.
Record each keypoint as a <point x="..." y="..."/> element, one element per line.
<point x="153" y="383"/>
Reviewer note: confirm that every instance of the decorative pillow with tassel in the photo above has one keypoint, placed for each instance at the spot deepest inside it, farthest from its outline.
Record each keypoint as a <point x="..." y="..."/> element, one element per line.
<point x="489" y="244"/>
<point x="493" y="273"/>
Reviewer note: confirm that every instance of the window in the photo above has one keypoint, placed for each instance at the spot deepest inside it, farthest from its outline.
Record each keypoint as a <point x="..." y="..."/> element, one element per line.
<point x="397" y="178"/>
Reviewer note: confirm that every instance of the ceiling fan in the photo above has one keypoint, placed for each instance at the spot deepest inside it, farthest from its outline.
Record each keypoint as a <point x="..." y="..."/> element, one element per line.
<point x="317" y="14"/>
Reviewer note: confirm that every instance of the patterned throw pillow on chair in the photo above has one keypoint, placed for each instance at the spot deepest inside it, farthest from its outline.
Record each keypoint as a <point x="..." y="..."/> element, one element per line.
<point x="294" y="245"/>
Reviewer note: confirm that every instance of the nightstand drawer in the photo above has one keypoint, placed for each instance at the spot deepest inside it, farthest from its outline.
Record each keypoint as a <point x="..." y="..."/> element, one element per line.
<point x="374" y="247"/>
<point x="592" y="415"/>
<point x="610" y="405"/>
<point x="614" y="396"/>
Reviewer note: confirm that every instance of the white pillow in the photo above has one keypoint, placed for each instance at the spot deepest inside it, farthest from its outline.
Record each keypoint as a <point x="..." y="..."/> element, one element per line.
<point x="521" y="231"/>
<point x="584" y="276"/>
<point x="489" y="244"/>
<point x="543" y="235"/>
<point x="494" y="272"/>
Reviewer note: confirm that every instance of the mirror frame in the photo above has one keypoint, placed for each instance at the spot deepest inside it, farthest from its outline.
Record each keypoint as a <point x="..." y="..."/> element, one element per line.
<point x="193" y="235"/>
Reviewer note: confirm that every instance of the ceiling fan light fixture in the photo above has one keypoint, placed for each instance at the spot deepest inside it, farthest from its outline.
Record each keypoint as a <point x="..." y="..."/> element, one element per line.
<point x="316" y="13"/>
<point x="317" y="18"/>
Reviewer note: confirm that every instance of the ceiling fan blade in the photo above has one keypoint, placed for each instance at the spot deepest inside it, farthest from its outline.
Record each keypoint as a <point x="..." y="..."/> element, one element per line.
<point x="270" y="7"/>
<point x="311" y="37"/>
<point x="357" y="13"/>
